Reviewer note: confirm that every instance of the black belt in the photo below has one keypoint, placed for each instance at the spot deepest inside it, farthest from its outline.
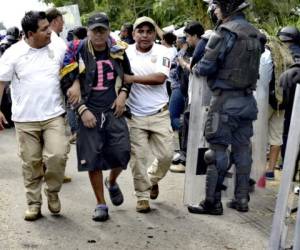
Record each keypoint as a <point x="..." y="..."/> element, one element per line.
<point x="220" y="96"/>
<point x="164" y="108"/>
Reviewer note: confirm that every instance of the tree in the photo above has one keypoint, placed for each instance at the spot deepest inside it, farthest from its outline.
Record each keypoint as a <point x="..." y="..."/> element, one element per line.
<point x="85" y="6"/>
<point x="266" y="14"/>
<point x="272" y="14"/>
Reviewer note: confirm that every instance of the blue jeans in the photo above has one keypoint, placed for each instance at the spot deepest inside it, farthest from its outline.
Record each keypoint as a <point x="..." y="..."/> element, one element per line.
<point x="176" y="108"/>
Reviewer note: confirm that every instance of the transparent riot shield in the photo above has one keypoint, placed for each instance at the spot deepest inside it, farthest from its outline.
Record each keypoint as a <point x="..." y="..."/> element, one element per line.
<point x="297" y="229"/>
<point x="200" y="100"/>
<point x="279" y="227"/>
<point x="260" y="126"/>
<point x="71" y="18"/>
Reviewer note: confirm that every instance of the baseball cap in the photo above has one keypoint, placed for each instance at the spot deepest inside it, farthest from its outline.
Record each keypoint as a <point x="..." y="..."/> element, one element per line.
<point x="98" y="20"/>
<point x="143" y="19"/>
<point x="53" y="13"/>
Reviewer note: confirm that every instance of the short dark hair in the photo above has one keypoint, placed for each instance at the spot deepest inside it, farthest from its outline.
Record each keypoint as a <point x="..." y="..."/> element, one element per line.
<point x="53" y="13"/>
<point x="80" y="32"/>
<point x="30" y="21"/>
<point x="70" y="35"/>
<point x="169" y="37"/>
<point x="128" y="27"/>
<point x="194" y="28"/>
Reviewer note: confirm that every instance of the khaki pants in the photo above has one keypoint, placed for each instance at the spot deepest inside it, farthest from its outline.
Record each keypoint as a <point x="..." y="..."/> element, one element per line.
<point x="150" y="132"/>
<point x="42" y="144"/>
<point x="276" y="120"/>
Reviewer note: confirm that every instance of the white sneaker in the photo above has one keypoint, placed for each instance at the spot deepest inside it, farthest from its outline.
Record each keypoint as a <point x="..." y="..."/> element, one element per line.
<point x="297" y="190"/>
<point x="178" y="168"/>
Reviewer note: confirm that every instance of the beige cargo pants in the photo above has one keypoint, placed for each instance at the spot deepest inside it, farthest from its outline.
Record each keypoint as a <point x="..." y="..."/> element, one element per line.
<point x="42" y="144"/>
<point x="150" y="133"/>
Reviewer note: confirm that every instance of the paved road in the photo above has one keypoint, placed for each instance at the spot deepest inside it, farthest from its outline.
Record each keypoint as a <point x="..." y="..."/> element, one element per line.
<point x="168" y="226"/>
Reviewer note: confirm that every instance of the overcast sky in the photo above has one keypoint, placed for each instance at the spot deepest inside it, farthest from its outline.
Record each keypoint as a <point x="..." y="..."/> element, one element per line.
<point x="12" y="11"/>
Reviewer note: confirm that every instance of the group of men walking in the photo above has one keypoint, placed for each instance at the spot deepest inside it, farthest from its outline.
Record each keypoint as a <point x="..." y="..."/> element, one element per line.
<point x="90" y="71"/>
<point x="121" y="100"/>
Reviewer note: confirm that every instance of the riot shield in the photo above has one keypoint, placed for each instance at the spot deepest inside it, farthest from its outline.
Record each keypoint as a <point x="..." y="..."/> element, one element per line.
<point x="200" y="100"/>
<point x="71" y="18"/>
<point x="260" y="126"/>
<point x="297" y="229"/>
<point x="279" y="227"/>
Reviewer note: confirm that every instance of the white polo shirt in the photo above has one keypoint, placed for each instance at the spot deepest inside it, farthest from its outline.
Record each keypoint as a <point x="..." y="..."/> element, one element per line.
<point x="148" y="99"/>
<point x="58" y="42"/>
<point x="34" y="76"/>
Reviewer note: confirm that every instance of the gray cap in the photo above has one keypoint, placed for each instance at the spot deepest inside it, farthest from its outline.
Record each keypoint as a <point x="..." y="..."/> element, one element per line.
<point x="143" y="19"/>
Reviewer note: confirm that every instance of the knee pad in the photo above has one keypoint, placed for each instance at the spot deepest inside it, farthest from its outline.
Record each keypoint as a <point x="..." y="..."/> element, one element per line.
<point x="218" y="157"/>
<point x="210" y="157"/>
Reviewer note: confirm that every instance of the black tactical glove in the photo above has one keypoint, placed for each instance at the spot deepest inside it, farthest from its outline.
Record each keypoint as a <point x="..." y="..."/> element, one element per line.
<point x="290" y="77"/>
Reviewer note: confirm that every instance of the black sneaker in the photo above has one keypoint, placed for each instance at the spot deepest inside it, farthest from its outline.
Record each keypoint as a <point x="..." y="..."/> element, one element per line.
<point x="239" y="205"/>
<point x="101" y="213"/>
<point x="115" y="193"/>
<point x="207" y="208"/>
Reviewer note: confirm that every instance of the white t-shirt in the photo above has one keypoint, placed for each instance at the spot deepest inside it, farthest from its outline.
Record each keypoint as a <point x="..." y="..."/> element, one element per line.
<point x="34" y="77"/>
<point x="172" y="52"/>
<point x="265" y="68"/>
<point x="58" y="42"/>
<point x="148" y="99"/>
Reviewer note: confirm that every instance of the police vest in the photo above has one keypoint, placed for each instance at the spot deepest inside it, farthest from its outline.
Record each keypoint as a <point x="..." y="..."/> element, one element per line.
<point x="241" y="66"/>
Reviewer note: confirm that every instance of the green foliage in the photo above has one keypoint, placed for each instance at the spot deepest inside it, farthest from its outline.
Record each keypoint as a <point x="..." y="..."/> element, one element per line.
<point x="85" y="6"/>
<point x="266" y="14"/>
<point x="121" y="11"/>
<point x="270" y="15"/>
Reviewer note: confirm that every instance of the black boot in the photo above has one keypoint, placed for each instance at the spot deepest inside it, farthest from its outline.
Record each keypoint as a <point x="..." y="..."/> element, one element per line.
<point x="206" y="207"/>
<point x="240" y="205"/>
<point x="241" y="194"/>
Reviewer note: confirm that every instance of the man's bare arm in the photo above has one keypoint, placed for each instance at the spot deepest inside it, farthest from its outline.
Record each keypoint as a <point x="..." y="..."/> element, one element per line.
<point x="151" y="79"/>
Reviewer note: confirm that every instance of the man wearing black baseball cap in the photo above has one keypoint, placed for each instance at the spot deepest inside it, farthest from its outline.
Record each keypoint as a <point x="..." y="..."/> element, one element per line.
<point x="103" y="138"/>
<point x="98" y="20"/>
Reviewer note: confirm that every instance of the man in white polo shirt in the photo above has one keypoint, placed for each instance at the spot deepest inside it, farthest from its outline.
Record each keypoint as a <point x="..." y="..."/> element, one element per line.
<point x="150" y="126"/>
<point x="32" y="66"/>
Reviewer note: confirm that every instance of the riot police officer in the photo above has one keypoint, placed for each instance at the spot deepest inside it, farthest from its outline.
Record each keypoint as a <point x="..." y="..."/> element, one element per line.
<point x="231" y="64"/>
<point x="12" y="36"/>
<point x="290" y="36"/>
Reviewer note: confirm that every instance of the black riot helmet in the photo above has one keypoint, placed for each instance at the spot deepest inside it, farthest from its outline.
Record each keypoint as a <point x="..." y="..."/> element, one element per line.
<point x="289" y="34"/>
<point x="13" y="34"/>
<point x="229" y="7"/>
